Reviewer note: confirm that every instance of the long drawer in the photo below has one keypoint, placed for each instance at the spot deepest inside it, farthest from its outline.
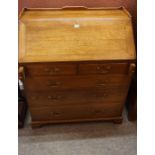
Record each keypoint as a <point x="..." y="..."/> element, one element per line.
<point x="103" y="96"/>
<point x="75" y="112"/>
<point x="74" y="82"/>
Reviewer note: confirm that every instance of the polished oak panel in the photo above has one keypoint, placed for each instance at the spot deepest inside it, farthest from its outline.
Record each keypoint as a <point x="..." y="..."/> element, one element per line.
<point x="68" y="35"/>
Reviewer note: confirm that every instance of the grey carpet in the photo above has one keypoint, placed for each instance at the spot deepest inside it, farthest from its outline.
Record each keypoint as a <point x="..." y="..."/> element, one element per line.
<point x="95" y="138"/>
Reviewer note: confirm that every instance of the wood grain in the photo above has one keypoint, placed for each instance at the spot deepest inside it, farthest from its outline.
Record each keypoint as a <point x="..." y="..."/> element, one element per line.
<point x="101" y="35"/>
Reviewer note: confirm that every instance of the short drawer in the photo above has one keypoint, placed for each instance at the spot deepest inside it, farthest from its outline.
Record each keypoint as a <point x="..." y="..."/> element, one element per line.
<point x="49" y="69"/>
<point x="75" y="82"/>
<point x="76" y="112"/>
<point x="47" y="98"/>
<point x="103" y="68"/>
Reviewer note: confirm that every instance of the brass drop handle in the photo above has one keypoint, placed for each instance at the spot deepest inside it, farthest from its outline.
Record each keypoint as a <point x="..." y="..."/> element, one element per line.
<point x="105" y="94"/>
<point x="53" y="70"/>
<point x="56" y="69"/>
<point x="54" y="97"/>
<point x="100" y="84"/>
<point x="34" y="97"/>
<point x="56" y="113"/>
<point x="54" y="85"/>
<point x="103" y="68"/>
<point x="101" y="95"/>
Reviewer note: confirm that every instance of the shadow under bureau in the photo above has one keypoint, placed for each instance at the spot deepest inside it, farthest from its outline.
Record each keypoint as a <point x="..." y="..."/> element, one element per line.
<point x="77" y="63"/>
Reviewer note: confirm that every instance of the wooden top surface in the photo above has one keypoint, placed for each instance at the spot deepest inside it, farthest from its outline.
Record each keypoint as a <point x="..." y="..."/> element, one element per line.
<point x="75" y="35"/>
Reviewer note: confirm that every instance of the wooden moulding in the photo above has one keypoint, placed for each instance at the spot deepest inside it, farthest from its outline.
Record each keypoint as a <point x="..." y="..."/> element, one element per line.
<point x="115" y="120"/>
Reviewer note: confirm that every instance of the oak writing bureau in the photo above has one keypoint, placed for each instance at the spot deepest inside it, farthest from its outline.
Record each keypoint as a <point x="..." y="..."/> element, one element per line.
<point x="77" y="63"/>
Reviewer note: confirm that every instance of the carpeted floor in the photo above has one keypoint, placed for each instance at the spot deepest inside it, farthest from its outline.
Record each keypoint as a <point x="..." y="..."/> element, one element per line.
<point x="95" y="138"/>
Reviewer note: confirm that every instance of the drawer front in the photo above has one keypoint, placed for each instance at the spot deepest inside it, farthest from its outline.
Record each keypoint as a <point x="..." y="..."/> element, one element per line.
<point x="47" y="98"/>
<point x="51" y="69"/>
<point x="76" y="112"/>
<point x="103" y="68"/>
<point x="74" y="82"/>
